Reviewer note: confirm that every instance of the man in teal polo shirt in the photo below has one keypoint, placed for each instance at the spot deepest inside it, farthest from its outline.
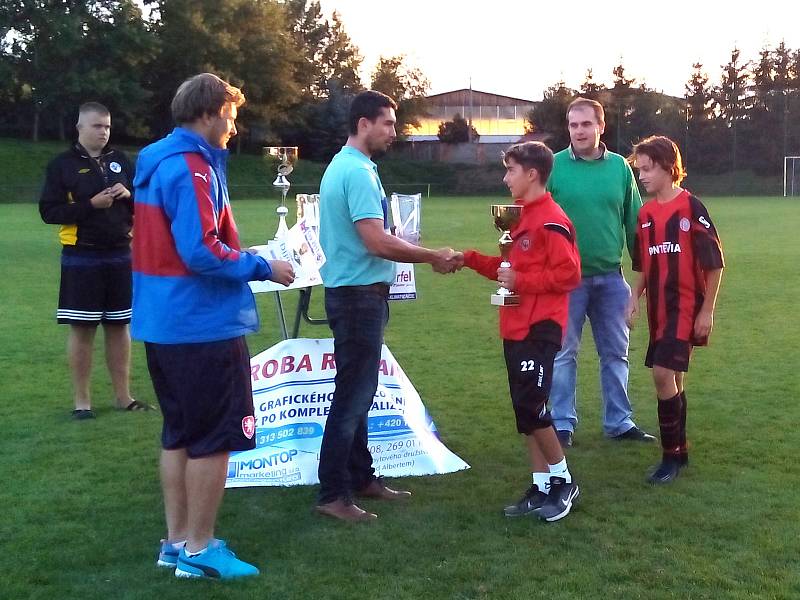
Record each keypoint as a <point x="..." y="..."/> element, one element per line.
<point x="357" y="275"/>
<point x="597" y="190"/>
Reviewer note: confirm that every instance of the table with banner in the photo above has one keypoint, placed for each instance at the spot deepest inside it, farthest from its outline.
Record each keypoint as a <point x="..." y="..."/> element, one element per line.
<point x="293" y="381"/>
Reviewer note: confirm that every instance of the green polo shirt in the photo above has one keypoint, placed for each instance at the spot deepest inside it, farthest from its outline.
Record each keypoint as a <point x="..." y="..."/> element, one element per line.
<point x="601" y="199"/>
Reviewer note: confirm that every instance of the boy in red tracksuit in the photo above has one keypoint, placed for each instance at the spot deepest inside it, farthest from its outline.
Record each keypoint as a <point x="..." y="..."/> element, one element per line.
<point x="545" y="267"/>
<point x="679" y="258"/>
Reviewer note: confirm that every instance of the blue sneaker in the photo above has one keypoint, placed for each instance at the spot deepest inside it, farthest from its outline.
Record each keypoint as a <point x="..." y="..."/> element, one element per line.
<point x="167" y="555"/>
<point x="215" y="562"/>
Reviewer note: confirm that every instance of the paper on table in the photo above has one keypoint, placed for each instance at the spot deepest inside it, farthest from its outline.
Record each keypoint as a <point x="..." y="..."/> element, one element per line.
<point x="301" y="248"/>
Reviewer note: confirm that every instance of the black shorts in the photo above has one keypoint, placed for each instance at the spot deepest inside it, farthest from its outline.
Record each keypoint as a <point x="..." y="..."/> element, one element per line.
<point x="205" y="395"/>
<point x="669" y="353"/>
<point x="530" y="375"/>
<point x="95" y="287"/>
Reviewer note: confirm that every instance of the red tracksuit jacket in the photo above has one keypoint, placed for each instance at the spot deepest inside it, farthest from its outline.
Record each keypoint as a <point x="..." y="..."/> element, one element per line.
<point x="545" y="256"/>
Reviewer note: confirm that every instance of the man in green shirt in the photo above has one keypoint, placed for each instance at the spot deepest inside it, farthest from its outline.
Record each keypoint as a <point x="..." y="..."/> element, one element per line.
<point x="597" y="190"/>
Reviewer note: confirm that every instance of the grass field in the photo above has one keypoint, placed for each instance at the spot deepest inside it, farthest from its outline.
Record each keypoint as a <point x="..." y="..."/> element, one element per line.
<point x="81" y="506"/>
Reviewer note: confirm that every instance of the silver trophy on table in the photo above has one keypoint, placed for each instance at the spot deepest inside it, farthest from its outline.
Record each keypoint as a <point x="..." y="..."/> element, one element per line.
<point x="285" y="157"/>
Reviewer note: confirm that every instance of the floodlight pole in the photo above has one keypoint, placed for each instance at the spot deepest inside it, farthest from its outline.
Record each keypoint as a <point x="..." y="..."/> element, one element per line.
<point x="686" y="144"/>
<point x="469" y="124"/>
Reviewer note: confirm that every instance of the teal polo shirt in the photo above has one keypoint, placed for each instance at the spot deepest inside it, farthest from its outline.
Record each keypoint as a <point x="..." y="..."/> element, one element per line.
<point x="350" y="191"/>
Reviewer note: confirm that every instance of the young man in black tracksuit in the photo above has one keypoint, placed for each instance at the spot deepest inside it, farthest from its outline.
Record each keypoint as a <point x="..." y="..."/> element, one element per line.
<point x="87" y="192"/>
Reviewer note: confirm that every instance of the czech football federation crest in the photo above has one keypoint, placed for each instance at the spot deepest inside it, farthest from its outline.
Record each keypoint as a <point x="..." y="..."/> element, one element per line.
<point x="249" y="426"/>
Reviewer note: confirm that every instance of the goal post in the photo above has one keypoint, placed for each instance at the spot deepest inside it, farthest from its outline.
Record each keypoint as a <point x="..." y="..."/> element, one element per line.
<point x="791" y="176"/>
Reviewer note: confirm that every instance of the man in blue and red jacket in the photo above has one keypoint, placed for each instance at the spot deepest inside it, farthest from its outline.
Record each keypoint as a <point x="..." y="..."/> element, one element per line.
<point x="192" y="307"/>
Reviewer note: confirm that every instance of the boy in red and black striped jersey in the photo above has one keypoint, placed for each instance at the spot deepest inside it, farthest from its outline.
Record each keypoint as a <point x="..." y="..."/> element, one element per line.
<point x="545" y="267"/>
<point x="679" y="258"/>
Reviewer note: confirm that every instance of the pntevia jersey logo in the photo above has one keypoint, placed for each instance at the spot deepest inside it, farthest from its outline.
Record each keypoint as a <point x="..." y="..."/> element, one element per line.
<point x="685" y="224"/>
<point x="665" y="248"/>
<point x="249" y="426"/>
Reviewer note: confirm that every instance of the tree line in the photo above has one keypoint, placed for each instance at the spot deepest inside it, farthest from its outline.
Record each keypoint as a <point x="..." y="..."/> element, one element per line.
<point x="297" y="69"/>
<point x="749" y="120"/>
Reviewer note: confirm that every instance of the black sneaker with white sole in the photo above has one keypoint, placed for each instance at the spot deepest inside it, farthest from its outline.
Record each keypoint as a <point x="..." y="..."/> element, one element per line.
<point x="533" y="499"/>
<point x="559" y="500"/>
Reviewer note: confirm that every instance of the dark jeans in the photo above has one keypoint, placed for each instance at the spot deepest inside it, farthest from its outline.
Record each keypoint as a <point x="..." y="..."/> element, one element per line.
<point x="357" y="316"/>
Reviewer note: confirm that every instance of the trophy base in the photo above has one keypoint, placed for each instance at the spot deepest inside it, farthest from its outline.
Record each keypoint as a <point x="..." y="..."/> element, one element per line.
<point x="505" y="300"/>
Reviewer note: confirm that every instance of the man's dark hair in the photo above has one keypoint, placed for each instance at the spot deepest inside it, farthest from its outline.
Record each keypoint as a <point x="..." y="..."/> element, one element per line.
<point x="532" y="155"/>
<point x="203" y="94"/>
<point x="368" y="105"/>
<point x="94" y="107"/>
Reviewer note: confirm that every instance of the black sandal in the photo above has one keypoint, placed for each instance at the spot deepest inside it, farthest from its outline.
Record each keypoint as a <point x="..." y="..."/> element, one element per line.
<point x="135" y="405"/>
<point x="81" y="414"/>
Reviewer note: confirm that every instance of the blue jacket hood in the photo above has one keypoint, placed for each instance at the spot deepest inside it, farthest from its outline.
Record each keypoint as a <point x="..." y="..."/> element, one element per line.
<point x="180" y="141"/>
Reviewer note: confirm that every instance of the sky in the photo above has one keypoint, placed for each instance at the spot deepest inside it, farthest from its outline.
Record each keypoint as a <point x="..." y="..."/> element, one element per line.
<point x="520" y="47"/>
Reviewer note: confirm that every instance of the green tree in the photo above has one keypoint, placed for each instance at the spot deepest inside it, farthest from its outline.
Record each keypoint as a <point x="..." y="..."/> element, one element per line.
<point x="327" y="76"/>
<point x="550" y="115"/>
<point x="699" y="96"/>
<point x="329" y="122"/>
<point x="340" y="59"/>
<point x="763" y="73"/>
<point x="246" y="42"/>
<point x="619" y="107"/>
<point x="763" y="120"/>
<point x="457" y="131"/>
<point x="620" y="81"/>
<point x="408" y="86"/>
<point x="782" y="61"/>
<point x="323" y="49"/>
<point x="118" y="50"/>
<point x="731" y="99"/>
<point x="793" y="105"/>
<point x="701" y="147"/>
<point x="64" y="53"/>
<point x="9" y="84"/>
<point x="591" y="89"/>
<point x="309" y="32"/>
<point x="654" y="113"/>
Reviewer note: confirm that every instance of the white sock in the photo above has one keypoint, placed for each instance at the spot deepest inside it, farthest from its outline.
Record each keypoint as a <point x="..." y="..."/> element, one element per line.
<point x="177" y="545"/>
<point x="193" y="554"/>
<point x="542" y="481"/>
<point x="560" y="470"/>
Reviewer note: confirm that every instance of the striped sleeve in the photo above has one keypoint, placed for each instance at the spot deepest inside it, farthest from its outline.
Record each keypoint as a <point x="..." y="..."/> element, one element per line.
<point x="705" y="239"/>
<point x="195" y="216"/>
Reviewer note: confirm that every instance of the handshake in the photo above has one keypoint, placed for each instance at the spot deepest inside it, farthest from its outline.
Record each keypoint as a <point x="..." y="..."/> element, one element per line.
<point x="447" y="260"/>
